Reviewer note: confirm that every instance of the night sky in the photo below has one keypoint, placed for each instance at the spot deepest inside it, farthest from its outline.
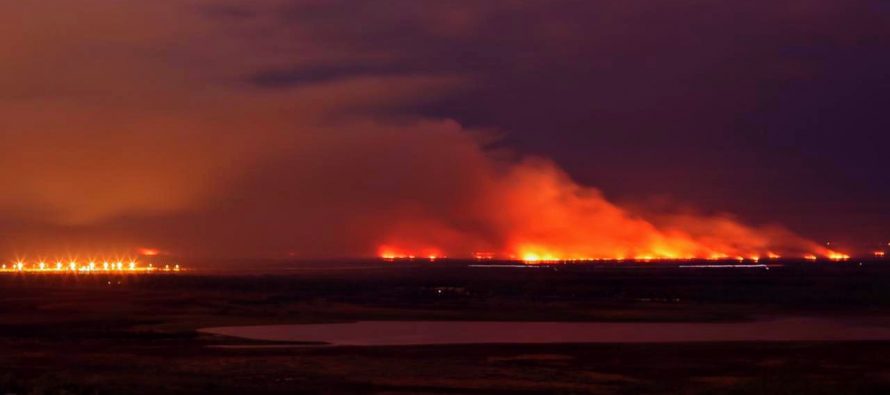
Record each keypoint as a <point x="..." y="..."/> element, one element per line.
<point x="325" y="128"/>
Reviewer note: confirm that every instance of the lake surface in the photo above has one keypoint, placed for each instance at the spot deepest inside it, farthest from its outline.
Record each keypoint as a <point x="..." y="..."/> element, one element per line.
<point x="404" y="333"/>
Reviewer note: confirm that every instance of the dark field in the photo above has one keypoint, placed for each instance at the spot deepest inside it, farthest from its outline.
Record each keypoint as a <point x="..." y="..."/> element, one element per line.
<point x="136" y="334"/>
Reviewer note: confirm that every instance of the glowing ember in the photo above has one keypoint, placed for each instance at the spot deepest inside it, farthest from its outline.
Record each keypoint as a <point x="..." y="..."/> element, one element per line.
<point x="391" y="254"/>
<point x="836" y="256"/>
<point x="483" y="255"/>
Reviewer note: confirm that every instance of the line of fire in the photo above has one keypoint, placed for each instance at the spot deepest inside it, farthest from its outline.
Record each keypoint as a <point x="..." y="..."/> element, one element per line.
<point x="390" y="254"/>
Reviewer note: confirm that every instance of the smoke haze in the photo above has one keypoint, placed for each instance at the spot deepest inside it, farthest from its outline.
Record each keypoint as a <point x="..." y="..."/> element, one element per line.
<point x="275" y="128"/>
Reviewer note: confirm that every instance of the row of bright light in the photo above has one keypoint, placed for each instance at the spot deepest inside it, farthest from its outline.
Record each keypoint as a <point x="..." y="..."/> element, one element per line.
<point x="90" y="267"/>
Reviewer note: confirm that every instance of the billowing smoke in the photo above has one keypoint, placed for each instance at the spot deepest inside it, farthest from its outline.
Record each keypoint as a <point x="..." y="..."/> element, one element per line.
<point x="531" y="210"/>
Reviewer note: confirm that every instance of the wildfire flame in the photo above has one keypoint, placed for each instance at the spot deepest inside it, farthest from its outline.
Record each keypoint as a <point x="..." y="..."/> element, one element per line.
<point x="390" y="254"/>
<point x="536" y="214"/>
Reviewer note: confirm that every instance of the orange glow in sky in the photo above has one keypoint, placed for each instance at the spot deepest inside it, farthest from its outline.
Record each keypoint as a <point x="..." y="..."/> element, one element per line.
<point x="149" y="252"/>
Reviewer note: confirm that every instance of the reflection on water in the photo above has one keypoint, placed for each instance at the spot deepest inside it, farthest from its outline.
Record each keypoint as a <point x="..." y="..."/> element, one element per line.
<point x="398" y="333"/>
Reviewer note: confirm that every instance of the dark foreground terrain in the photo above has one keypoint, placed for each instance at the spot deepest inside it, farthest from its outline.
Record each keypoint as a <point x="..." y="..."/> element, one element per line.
<point x="99" y="334"/>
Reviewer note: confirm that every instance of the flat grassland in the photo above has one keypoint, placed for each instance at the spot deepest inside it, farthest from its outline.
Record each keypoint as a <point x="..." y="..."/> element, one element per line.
<point x="98" y="334"/>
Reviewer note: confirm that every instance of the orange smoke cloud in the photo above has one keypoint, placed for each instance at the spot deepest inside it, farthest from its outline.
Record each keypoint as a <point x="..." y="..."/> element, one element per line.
<point x="540" y="214"/>
<point x="152" y="138"/>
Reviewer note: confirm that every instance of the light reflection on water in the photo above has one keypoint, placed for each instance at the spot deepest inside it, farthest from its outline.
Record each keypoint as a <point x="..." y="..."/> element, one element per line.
<point x="400" y="333"/>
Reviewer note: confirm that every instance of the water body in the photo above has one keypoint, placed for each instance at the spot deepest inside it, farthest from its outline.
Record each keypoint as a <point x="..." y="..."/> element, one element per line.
<point x="405" y="333"/>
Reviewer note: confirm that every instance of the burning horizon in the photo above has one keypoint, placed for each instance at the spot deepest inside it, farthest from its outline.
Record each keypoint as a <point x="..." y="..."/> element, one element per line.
<point x="541" y="215"/>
